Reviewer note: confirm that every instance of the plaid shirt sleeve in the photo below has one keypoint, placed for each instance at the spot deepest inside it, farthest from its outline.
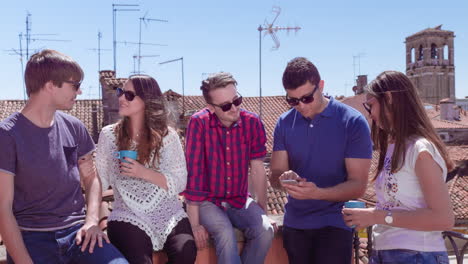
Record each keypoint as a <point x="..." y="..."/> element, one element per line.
<point x="258" y="147"/>
<point x="194" y="154"/>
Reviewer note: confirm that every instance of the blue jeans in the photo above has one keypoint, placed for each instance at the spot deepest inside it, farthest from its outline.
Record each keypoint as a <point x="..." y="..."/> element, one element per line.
<point x="406" y="256"/>
<point x="56" y="247"/>
<point x="250" y="219"/>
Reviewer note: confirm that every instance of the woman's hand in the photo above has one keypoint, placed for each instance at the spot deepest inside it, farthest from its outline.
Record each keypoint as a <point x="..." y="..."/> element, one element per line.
<point x="359" y="217"/>
<point x="133" y="168"/>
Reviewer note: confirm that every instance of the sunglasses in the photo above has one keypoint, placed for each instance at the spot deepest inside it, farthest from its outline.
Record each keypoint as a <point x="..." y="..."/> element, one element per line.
<point x="306" y="99"/>
<point x="227" y="106"/>
<point x="76" y="85"/>
<point x="367" y="107"/>
<point x="129" y="95"/>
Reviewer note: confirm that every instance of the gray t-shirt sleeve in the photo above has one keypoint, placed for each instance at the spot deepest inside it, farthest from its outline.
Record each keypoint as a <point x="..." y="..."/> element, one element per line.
<point x="7" y="153"/>
<point x="84" y="140"/>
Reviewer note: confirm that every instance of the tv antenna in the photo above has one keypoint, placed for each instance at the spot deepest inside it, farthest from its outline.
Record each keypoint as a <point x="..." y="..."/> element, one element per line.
<point x="145" y="20"/>
<point x="358" y="63"/>
<point x="116" y="8"/>
<point x="33" y="37"/>
<point x="24" y="52"/>
<point x="99" y="50"/>
<point x="270" y="29"/>
<point x="138" y="58"/>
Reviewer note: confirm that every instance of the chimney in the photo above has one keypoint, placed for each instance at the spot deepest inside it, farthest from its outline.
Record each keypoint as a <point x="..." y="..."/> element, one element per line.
<point x="95" y="132"/>
<point x="446" y="109"/>
<point x="361" y="82"/>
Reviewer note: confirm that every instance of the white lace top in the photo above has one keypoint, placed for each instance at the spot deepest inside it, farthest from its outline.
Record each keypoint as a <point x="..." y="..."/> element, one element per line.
<point x="141" y="203"/>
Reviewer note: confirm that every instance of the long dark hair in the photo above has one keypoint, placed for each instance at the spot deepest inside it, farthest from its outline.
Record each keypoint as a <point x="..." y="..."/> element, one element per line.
<point x="409" y="119"/>
<point x="155" y="123"/>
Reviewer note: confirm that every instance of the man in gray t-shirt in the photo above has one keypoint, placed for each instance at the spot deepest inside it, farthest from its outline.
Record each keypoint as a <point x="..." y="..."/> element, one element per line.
<point x="45" y="158"/>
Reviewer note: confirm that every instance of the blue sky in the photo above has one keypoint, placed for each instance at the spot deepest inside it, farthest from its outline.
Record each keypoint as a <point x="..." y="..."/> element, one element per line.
<point x="222" y="36"/>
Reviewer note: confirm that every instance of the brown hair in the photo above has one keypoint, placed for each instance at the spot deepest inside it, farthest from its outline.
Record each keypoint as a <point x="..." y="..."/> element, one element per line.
<point x="155" y="124"/>
<point x="409" y="119"/>
<point x="298" y="71"/>
<point x="216" y="81"/>
<point x="50" y="65"/>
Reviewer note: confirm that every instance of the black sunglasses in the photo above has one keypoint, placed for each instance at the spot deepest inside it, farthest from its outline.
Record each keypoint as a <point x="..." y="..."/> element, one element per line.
<point x="76" y="85"/>
<point x="367" y="107"/>
<point x="129" y="95"/>
<point x="227" y="106"/>
<point x="306" y="99"/>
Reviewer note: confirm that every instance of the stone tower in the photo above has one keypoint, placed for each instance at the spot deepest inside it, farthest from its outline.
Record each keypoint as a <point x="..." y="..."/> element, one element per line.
<point x="430" y="64"/>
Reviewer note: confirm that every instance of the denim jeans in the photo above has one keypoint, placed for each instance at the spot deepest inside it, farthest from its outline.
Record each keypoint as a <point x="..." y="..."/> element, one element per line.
<point x="250" y="219"/>
<point x="56" y="247"/>
<point x="406" y="256"/>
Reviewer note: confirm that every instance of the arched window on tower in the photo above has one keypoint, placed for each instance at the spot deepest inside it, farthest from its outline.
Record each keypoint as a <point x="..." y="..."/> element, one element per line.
<point x="434" y="54"/>
<point x="445" y="55"/>
<point x="413" y="55"/>
<point x="420" y="53"/>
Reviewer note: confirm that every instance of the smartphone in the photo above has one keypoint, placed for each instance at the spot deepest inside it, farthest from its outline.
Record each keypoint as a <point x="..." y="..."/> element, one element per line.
<point x="289" y="181"/>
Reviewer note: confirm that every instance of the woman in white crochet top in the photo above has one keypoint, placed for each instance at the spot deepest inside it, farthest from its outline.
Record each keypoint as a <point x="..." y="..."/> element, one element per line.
<point x="147" y="214"/>
<point x="413" y="204"/>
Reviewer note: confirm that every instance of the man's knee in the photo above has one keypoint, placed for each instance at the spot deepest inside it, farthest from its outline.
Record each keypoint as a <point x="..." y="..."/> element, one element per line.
<point x="263" y="233"/>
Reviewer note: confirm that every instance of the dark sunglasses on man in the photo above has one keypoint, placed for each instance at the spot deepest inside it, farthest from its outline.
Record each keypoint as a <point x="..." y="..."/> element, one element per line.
<point x="76" y="85"/>
<point x="129" y="95"/>
<point x="227" y="106"/>
<point x="306" y="99"/>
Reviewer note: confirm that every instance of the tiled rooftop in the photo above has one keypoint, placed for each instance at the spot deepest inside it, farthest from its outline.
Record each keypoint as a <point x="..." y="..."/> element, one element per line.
<point x="83" y="110"/>
<point x="432" y="111"/>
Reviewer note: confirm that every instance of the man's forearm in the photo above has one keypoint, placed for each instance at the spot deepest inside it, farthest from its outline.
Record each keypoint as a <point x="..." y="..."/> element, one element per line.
<point x="193" y="211"/>
<point x="260" y="185"/>
<point x="348" y="190"/>
<point x="93" y="199"/>
<point x="12" y="238"/>
<point x="274" y="179"/>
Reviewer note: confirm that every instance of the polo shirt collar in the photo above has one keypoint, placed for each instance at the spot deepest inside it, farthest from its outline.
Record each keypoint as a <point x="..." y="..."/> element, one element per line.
<point x="330" y="110"/>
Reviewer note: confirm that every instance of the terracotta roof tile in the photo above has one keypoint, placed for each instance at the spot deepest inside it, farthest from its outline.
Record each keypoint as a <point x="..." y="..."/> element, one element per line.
<point x="458" y="189"/>
<point x="106" y="74"/>
<point x="356" y="103"/>
<point x="113" y="83"/>
<point x="83" y="110"/>
<point x="433" y="112"/>
<point x="171" y="95"/>
<point x="458" y="153"/>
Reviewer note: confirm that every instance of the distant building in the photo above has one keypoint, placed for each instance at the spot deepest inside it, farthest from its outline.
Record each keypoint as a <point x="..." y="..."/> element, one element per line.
<point x="430" y="63"/>
<point x="463" y="103"/>
<point x="361" y="82"/>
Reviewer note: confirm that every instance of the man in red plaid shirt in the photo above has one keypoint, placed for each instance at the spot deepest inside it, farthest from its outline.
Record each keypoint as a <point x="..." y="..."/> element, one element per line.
<point x="222" y="142"/>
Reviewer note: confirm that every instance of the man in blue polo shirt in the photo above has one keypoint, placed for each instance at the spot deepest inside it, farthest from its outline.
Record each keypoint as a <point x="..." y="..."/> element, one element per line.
<point x="322" y="148"/>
